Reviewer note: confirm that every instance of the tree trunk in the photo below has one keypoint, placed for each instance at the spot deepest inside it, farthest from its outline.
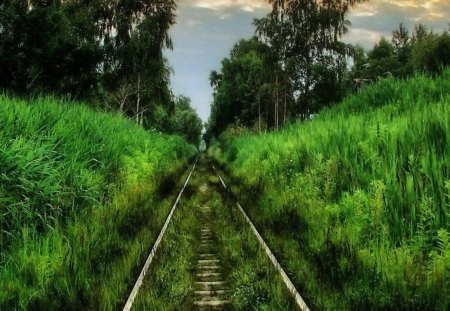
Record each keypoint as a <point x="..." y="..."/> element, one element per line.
<point x="276" y="102"/>
<point x="267" y="114"/>
<point x="122" y="104"/>
<point x="285" y="104"/>
<point x="138" y="99"/>
<point x="259" y="115"/>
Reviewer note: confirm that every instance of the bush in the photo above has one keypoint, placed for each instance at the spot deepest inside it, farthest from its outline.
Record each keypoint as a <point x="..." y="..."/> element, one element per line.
<point x="431" y="54"/>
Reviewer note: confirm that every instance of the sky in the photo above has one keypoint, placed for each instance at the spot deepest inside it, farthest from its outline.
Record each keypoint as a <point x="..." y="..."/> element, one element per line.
<point x="207" y="30"/>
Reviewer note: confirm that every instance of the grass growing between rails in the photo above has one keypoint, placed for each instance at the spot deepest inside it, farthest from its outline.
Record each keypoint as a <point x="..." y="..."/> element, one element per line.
<point x="356" y="203"/>
<point x="250" y="281"/>
<point x="79" y="203"/>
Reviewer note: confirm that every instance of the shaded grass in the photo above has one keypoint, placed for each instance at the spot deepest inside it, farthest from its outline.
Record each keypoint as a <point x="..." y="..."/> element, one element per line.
<point x="252" y="282"/>
<point x="79" y="194"/>
<point x="256" y="284"/>
<point x="356" y="202"/>
<point x="168" y="283"/>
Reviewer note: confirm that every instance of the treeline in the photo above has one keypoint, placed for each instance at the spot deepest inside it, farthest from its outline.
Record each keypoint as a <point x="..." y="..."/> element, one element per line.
<point x="297" y="64"/>
<point x="108" y="53"/>
<point x="407" y="53"/>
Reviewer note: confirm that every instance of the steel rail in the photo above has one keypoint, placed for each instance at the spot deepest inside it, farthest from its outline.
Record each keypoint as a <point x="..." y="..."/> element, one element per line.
<point x="290" y="286"/>
<point x="140" y="280"/>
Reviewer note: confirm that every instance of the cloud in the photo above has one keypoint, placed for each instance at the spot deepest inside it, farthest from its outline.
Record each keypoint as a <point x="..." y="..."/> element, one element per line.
<point x="378" y="18"/>
<point x="363" y="37"/>
<point x="413" y="10"/>
<point x="244" y="5"/>
<point x="427" y="8"/>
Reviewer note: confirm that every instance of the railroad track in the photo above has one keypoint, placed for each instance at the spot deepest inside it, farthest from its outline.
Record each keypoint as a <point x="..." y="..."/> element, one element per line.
<point x="210" y="289"/>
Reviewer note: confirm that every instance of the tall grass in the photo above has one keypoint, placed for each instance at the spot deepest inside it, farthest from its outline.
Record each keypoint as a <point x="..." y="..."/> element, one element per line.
<point x="356" y="202"/>
<point x="78" y="202"/>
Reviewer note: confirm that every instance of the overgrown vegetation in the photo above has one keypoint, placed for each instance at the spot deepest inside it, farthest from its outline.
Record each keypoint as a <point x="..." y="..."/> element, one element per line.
<point x="107" y="53"/>
<point x="251" y="281"/>
<point x="356" y="202"/>
<point x="79" y="193"/>
<point x="185" y="121"/>
<point x="298" y="65"/>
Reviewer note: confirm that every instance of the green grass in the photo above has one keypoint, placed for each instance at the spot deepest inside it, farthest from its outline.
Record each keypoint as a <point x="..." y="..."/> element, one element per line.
<point x="356" y="203"/>
<point x="252" y="282"/>
<point x="80" y="196"/>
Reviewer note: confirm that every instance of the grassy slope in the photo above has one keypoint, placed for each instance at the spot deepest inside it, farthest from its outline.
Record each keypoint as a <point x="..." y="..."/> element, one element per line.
<point x="356" y="202"/>
<point x="79" y="194"/>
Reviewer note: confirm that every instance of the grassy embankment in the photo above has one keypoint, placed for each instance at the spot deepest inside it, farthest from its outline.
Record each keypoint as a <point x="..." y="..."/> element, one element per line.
<point x="356" y="202"/>
<point x="79" y="203"/>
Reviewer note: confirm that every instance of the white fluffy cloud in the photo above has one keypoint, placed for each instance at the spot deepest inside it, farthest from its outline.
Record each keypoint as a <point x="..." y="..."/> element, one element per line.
<point x="363" y="37"/>
<point x="414" y="10"/>
<point x="245" y="5"/>
<point x="377" y="18"/>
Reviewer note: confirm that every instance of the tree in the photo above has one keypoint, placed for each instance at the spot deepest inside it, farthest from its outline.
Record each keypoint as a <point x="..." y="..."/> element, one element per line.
<point x="422" y="51"/>
<point x="382" y="50"/>
<point x="185" y="121"/>
<point x="243" y="89"/>
<point x="431" y="53"/>
<point x="380" y="62"/>
<point x="40" y="50"/>
<point x="295" y="67"/>
<point x="419" y="33"/>
<point x="142" y="34"/>
<point x="108" y="52"/>
<point x="305" y="34"/>
<point x="401" y="41"/>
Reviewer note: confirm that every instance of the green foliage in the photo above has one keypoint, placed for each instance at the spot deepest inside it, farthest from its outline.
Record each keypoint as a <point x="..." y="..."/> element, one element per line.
<point x="431" y="54"/>
<point x="243" y="89"/>
<point x="383" y="49"/>
<point x="304" y="36"/>
<point x="355" y="202"/>
<point x="107" y="52"/>
<point x="185" y="121"/>
<point x="78" y="197"/>
<point x="420" y="52"/>
<point x="40" y="50"/>
<point x="295" y="67"/>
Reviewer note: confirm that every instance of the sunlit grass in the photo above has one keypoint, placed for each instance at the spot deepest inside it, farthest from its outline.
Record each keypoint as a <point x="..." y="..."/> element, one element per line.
<point x="79" y="194"/>
<point x="356" y="201"/>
